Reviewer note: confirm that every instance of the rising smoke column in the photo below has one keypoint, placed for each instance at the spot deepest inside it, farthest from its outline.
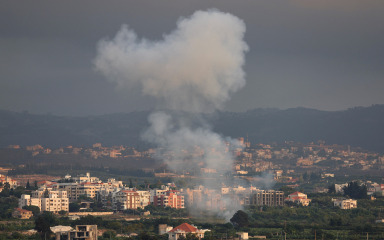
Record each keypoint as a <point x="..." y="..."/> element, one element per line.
<point x="193" y="69"/>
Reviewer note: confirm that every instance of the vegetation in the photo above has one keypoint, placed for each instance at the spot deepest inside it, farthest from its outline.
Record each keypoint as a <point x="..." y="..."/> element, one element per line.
<point x="354" y="190"/>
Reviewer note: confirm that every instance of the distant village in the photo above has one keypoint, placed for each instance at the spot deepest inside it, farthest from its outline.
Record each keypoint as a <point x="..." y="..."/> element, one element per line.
<point x="287" y="165"/>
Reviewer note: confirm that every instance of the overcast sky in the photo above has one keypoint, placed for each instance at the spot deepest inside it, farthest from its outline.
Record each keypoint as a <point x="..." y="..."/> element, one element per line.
<point x="326" y="54"/>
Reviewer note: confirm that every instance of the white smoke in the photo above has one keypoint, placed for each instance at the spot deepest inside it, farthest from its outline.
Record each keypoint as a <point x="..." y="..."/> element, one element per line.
<point x="194" y="69"/>
<point x="189" y="147"/>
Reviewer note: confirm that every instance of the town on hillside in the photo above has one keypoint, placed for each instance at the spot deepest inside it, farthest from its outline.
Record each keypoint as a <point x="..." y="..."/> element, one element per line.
<point x="270" y="189"/>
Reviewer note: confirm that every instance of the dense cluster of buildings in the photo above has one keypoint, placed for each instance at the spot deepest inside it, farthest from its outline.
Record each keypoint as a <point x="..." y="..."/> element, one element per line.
<point x="295" y="156"/>
<point x="7" y="180"/>
<point x="55" y="196"/>
<point x="96" y="151"/>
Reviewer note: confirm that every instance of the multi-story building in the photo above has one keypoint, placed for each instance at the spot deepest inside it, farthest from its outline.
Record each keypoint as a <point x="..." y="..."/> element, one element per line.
<point x="5" y="179"/>
<point x="81" y="232"/>
<point x="145" y="197"/>
<point x="90" y="189"/>
<point x="170" y="198"/>
<point x="267" y="198"/>
<point x="345" y="203"/>
<point x="26" y="200"/>
<point x="57" y="201"/>
<point x="126" y="199"/>
<point x="75" y="190"/>
<point x="46" y="200"/>
<point x="86" y="178"/>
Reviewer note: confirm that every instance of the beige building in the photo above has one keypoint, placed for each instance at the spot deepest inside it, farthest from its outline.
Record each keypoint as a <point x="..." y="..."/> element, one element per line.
<point x="126" y="199"/>
<point x="22" y="213"/>
<point x="345" y="203"/>
<point x="145" y="197"/>
<point x="298" y="198"/>
<point x="83" y="232"/>
<point x="75" y="190"/>
<point x="27" y="200"/>
<point x="267" y="198"/>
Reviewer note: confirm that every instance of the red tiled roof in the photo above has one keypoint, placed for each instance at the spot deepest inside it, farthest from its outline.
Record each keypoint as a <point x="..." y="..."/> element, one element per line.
<point x="185" y="227"/>
<point x="22" y="210"/>
<point x="128" y="191"/>
<point x="295" y="193"/>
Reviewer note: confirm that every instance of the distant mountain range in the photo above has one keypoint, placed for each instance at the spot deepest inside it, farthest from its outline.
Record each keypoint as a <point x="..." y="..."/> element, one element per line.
<point x="359" y="127"/>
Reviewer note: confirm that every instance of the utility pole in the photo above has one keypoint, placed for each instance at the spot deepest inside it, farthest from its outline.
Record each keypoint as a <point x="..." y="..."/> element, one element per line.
<point x="367" y="235"/>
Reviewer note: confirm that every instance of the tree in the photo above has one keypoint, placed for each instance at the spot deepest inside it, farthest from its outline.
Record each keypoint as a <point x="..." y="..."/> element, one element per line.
<point x="109" y="234"/>
<point x="74" y="207"/>
<point x="240" y="219"/>
<point x="332" y="189"/>
<point x="28" y="186"/>
<point x="43" y="223"/>
<point x="35" y="209"/>
<point x="353" y="190"/>
<point x="6" y="190"/>
<point x="191" y="236"/>
<point x="62" y="212"/>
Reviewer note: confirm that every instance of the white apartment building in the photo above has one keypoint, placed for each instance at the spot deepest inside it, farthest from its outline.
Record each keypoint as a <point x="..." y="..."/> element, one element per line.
<point x="26" y="200"/>
<point x="144" y="198"/>
<point x="86" y="178"/>
<point x="56" y="201"/>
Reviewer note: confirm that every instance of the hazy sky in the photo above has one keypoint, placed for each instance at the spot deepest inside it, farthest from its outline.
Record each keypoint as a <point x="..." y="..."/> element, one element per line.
<point x="326" y="54"/>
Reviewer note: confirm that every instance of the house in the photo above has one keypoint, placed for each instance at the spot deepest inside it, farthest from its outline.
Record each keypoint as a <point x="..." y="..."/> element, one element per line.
<point x="298" y="198"/>
<point x="345" y="203"/>
<point x="22" y="213"/>
<point x="83" y="232"/>
<point x="183" y="230"/>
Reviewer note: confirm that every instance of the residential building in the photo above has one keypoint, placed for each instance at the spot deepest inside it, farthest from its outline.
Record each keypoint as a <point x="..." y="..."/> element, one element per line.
<point x="22" y="213"/>
<point x="86" y="178"/>
<point x="267" y="198"/>
<point x="57" y="201"/>
<point x="46" y="200"/>
<point x="26" y="200"/>
<point x="170" y="198"/>
<point x="144" y="199"/>
<point x="81" y="232"/>
<point x="339" y="188"/>
<point x="184" y="229"/>
<point x="5" y="179"/>
<point x="298" y="198"/>
<point x="345" y="203"/>
<point x="126" y="199"/>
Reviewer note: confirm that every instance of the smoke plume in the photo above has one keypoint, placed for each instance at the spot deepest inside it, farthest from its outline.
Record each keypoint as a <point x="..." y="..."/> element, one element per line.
<point x="193" y="69"/>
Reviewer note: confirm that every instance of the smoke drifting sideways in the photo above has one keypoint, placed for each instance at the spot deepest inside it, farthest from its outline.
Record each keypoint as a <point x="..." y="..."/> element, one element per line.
<point x="194" y="69"/>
